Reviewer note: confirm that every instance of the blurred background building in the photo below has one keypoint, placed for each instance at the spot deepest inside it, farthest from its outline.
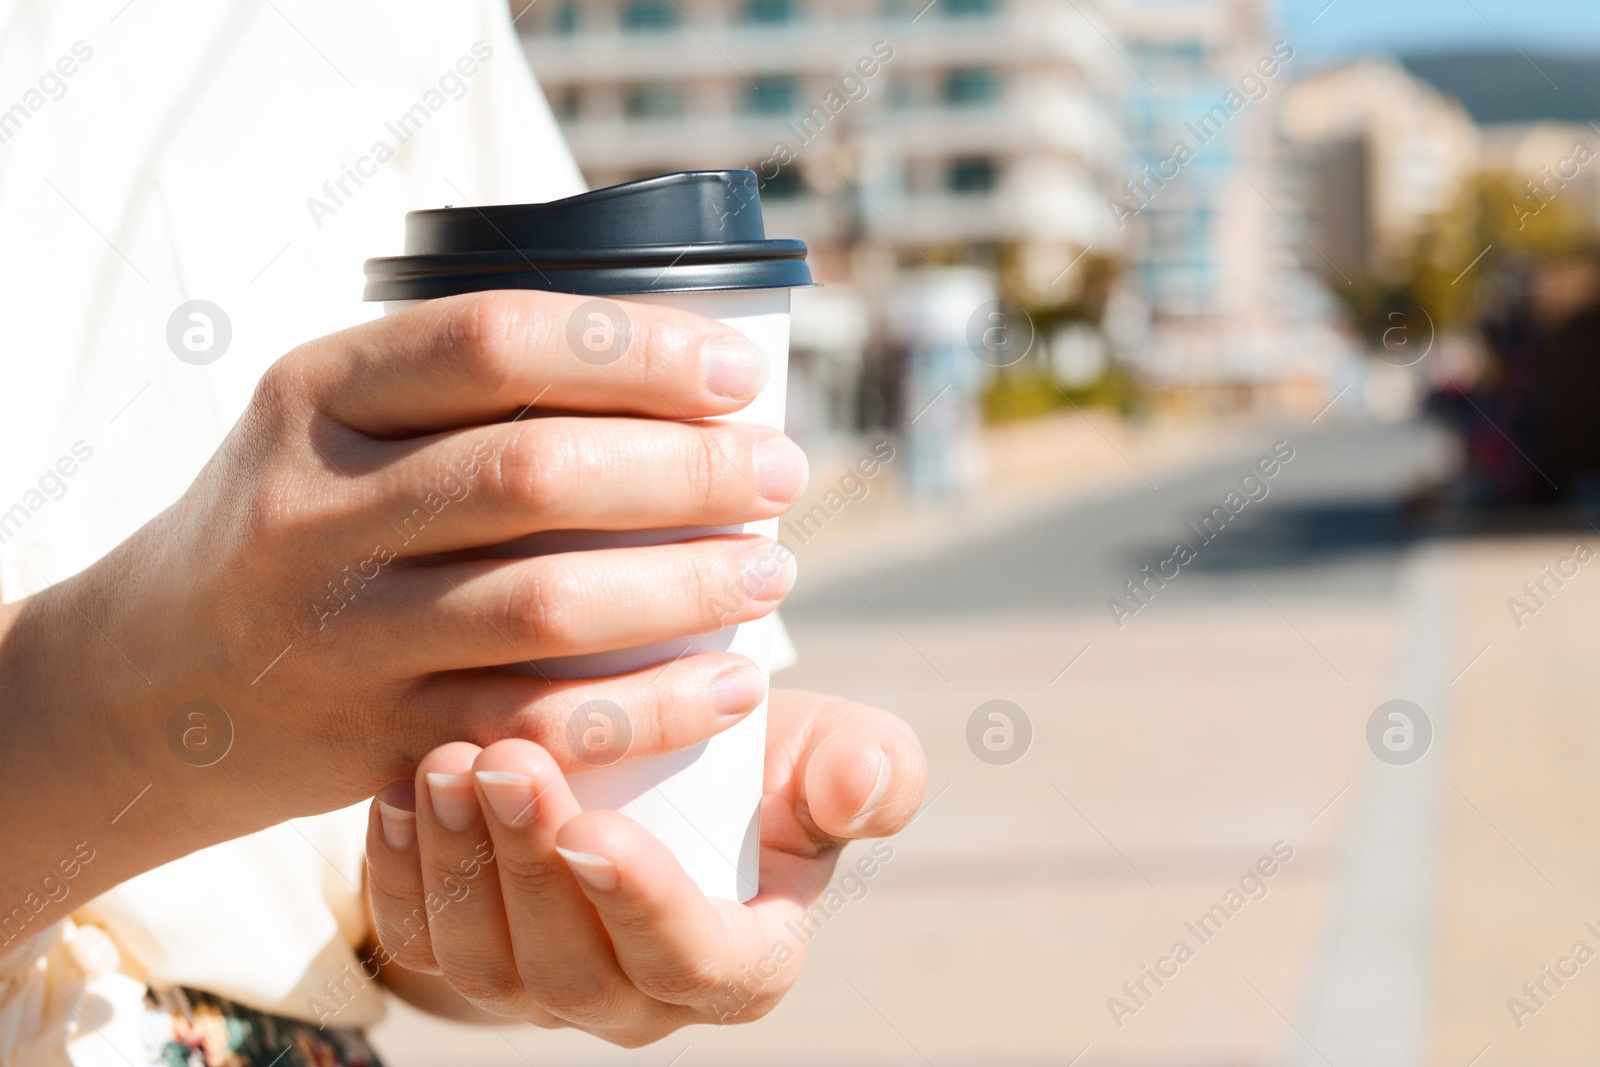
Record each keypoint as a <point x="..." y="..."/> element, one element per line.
<point x="1382" y="153"/>
<point x="897" y="144"/>
<point x="879" y="139"/>
<point x="1163" y="207"/>
<point x="1235" y="320"/>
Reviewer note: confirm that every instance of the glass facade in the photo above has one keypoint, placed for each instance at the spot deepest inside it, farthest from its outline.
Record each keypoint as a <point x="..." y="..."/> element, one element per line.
<point x="1177" y="263"/>
<point x="975" y="174"/>
<point x="773" y="95"/>
<point x="970" y="87"/>
<point x="650" y="15"/>
<point x="566" y="18"/>
<point x="654" y="102"/>
<point x="770" y="12"/>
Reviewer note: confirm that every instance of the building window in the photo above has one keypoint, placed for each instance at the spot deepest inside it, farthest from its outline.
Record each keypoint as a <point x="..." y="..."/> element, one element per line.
<point x="565" y="19"/>
<point x="654" y="102"/>
<point x="567" y="104"/>
<point x="971" y="87"/>
<point x="649" y="15"/>
<point x="973" y="175"/>
<point x="957" y="9"/>
<point x="773" y="95"/>
<point x="1187" y="51"/>
<point x="784" y="185"/>
<point x="771" y="12"/>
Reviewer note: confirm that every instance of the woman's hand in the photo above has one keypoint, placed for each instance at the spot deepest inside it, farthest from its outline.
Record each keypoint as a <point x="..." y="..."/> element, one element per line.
<point x="316" y="589"/>
<point x="484" y="870"/>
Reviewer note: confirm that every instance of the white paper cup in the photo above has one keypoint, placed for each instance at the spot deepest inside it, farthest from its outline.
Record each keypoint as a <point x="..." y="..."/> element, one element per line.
<point x="704" y="802"/>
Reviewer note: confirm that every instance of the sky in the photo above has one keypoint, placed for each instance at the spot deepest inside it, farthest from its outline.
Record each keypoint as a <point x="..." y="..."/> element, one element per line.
<point x="1351" y="27"/>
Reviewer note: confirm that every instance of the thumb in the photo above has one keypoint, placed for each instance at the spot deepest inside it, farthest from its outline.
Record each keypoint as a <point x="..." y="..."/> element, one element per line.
<point x="863" y="778"/>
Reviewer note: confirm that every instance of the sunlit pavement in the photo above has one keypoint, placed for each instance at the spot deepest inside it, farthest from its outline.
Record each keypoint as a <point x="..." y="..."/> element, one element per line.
<point x="1174" y="759"/>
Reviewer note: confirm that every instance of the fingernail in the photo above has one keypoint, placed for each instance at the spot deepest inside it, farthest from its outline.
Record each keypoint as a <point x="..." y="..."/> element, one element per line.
<point x="596" y="872"/>
<point x="768" y="572"/>
<point x="455" y="805"/>
<point x="733" y="367"/>
<point x="879" y="788"/>
<point x="781" y="470"/>
<point x="399" y="826"/>
<point x="738" y="691"/>
<point x="512" y="797"/>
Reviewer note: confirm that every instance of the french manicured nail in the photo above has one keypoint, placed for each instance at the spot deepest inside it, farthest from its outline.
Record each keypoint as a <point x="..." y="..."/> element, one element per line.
<point x="596" y="872"/>
<point x="512" y="797"/>
<point x="768" y="572"/>
<point x="738" y="691"/>
<point x="399" y="826"/>
<point x="733" y="367"/>
<point x="781" y="470"/>
<point x="455" y="805"/>
<point x="879" y="788"/>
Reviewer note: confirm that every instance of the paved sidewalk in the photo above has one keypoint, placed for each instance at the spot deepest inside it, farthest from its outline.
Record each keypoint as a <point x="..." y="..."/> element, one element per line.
<point x="1163" y="767"/>
<point x="1522" y="849"/>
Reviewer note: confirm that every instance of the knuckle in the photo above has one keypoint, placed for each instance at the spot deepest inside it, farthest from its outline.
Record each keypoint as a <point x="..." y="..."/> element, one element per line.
<point x="759" y="1008"/>
<point x="526" y="876"/>
<point x="658" y="720"/>
<point x="275" y="397"/>
<point x="689" y="982"/>
<point x="449" y="881"/>
<point x="546" y="607"/>
<point x="534" y="471"/>
<point x="402" y="928"/>
<point x="388" y="899"/>
<point x="710" y="580"/>
<point x="733" y="1003"/>
<point x="488" y="986"/>
<point x="660" y="349"/>
<point x="703" y="470"/>
<point x="641" y="1035"/>
<point x="481" y="332"/>
<point x="273" y="518"/>
<point x="413" y="952"/>
<point x="267" y="502"/>
<point x="583" y="996"/>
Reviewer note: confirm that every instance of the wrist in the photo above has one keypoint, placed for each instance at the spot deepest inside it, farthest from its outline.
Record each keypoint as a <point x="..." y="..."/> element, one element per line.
<point x="85" y="694"/>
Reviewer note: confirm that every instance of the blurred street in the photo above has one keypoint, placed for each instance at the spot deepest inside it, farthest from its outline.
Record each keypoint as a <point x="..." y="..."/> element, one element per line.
<point x="1227" y="718"/>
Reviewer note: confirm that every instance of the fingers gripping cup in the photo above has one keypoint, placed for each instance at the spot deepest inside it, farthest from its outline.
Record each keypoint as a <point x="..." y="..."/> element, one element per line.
<point x="694" y="241"/>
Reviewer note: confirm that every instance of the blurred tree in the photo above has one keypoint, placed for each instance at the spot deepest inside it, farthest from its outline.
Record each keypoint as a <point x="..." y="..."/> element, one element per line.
<point x="1486" y="264"/>
<point x="1493" y="218"/>
<point x="1030" y="389"/>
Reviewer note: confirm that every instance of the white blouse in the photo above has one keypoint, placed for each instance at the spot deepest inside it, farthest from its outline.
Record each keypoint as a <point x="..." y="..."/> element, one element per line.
<point x="152" y="154"/>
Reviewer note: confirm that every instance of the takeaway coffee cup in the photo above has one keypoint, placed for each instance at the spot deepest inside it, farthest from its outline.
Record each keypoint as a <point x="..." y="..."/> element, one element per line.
<point x="696" y="241"/>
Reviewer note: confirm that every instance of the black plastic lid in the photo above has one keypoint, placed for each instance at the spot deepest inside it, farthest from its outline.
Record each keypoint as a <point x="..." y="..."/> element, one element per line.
<point x="688" y="232"/>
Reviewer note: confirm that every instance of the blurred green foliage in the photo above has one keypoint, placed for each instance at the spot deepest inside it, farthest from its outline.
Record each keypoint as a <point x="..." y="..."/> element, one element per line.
<point x="1493" y="216"/>
<point x="1030" y="390"/>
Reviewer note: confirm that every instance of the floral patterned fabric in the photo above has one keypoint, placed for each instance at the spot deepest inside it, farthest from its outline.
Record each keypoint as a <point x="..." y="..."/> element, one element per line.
<point x="188" y="1028"/>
